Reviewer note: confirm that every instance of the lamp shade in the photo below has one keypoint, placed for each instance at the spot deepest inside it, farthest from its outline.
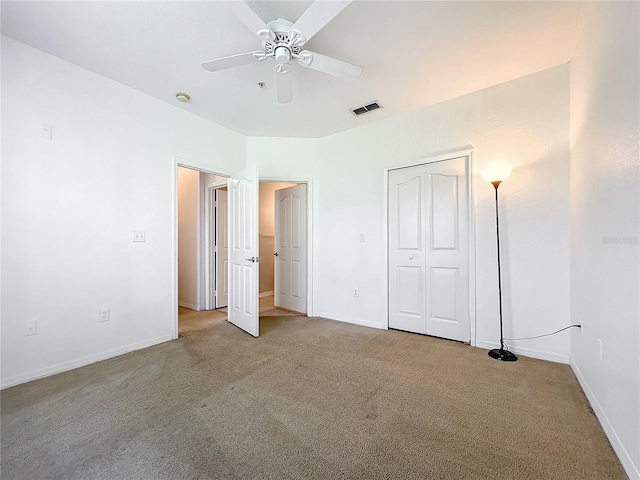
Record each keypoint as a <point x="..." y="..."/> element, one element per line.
<point x="495" y="173"/>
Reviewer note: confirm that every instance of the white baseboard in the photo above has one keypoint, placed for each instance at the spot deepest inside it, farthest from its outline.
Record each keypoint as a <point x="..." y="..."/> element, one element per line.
<point x="80" y="362"/>
<point x="527" y="352"/>
<point x="265" y="294"/>
<point x="625" y="459"/>
<point x="355" y="321"/>
<point x="190" y="306"/>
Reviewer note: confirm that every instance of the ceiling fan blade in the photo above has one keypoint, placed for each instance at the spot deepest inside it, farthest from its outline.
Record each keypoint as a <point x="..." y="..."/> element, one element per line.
<point x="317" y="16"/>
<point x="284" y="83"/>
<point x="330" y="65"/>
<point x="246" y="15"/>
<point x="230" y="61"/>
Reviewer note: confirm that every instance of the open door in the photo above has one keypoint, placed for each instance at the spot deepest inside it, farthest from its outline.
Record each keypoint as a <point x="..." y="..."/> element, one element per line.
<point x="290" y="290"/>
<point x="243" y="251"/>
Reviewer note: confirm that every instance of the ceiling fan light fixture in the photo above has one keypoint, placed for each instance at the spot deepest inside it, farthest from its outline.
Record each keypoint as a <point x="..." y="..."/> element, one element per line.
<point x="283" y="54"/>
<point x="183" y="97"/>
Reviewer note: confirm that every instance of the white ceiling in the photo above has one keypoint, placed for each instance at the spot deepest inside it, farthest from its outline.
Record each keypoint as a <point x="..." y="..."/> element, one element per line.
<point x="414" y="53"/>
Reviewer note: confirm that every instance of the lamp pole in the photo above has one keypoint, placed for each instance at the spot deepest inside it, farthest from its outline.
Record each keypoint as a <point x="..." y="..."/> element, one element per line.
<point x="500" y="353"/>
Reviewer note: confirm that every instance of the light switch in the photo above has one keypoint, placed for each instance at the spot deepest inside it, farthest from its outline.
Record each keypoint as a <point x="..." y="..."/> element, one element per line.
<point x="362" y="239"/>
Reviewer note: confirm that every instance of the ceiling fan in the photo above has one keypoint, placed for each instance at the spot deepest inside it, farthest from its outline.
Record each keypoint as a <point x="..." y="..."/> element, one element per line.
<point x="282" y="41"/>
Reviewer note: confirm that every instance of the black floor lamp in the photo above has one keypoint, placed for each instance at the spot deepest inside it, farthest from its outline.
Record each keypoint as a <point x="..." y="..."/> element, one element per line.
<point x="495" y="176"/>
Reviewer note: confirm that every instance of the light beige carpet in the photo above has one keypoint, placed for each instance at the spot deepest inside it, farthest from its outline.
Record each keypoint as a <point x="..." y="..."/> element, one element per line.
<point x="310" y="398"/>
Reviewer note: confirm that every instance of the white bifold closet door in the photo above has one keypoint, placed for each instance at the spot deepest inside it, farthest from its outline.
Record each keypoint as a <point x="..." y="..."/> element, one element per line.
<point x="428" y="249"/>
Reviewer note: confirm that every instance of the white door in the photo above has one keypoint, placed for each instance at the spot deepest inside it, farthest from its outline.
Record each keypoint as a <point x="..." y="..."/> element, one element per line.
<point x="243" y="251"/>
<point x="221" y="249"/>
<point x="290" y="289"/>
<point x="428" y="249"/>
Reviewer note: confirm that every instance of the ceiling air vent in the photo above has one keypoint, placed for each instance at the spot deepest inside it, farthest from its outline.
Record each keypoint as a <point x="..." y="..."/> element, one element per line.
<point x="365" y="108"/>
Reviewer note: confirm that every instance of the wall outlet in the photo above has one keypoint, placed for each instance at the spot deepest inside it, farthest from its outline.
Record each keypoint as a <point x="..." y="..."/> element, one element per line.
<point x="105" y="315"/>
<point x="362" y="237"/>
<point x="46" y="131"/>
<point x="139" y="236"/>
<point x="30" y="327"/>
<point x="355" y="292"/>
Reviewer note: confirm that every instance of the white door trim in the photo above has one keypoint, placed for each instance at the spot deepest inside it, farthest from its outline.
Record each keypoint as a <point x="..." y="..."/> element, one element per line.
<point x="209" y="267"/>
<point x="449" y="155"/>
<point x="310" y="238"/>
<point x="203" y="167"/>
<point x="208" y="224"/>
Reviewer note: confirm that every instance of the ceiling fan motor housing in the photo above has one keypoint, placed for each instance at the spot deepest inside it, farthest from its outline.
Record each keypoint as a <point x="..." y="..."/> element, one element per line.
<point x="281" y="46"/>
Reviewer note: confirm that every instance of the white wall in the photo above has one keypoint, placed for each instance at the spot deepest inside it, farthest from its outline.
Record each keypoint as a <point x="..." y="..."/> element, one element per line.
<point x="524" y="122"/>
<point x="605" y="209"/>
<point x="69" y="206"/>
<point x="188" y="237"/>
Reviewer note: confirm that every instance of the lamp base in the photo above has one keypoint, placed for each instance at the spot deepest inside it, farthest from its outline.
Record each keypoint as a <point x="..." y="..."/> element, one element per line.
<point x="504" y="355"/>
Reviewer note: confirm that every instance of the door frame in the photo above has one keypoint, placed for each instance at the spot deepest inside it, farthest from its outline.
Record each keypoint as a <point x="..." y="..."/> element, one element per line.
<point x="310" y="238"/>
<point x="202" y="167"/>
<point x="448" y="155"/>
<point x="209" y="267"/>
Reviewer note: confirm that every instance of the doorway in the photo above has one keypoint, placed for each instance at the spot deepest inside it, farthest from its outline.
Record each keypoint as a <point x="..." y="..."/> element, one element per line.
<point x="190" y="240"/>
<point x="282" y="246"/>
<point x="217" y="246"/>
<point x="209" y="193"/>
<point x="282" y="240"/>
<point x="193" y="235"/>
<point x="290" y="249"/>
<point x="267" y="238"/>
<point x="429" y="274"/>
<point x="271" y="271"/>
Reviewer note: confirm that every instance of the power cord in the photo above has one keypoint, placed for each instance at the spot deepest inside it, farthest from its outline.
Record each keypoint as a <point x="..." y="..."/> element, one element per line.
<point x="545" y="334"/>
